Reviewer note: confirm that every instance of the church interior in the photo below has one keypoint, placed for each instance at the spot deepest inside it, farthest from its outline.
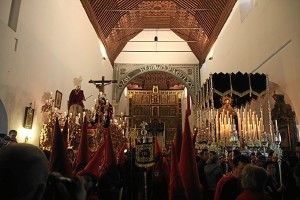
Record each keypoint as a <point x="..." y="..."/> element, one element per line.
<point x="142" y="71"/>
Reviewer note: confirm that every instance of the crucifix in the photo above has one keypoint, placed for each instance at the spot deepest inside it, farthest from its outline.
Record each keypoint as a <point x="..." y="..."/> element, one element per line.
<point x="104" y="110"/>
<point x="155" y="127"/>
<point x="101" y="83"/>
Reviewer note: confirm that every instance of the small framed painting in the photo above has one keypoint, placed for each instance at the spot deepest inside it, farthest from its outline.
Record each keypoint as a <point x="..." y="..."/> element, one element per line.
<point x="58" y="98"/>
<point x="28" y="118"/>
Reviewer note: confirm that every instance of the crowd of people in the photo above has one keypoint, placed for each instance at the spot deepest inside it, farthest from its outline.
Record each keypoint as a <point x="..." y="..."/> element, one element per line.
<point x="253" y="176"/>
<point x="25" y="175"/>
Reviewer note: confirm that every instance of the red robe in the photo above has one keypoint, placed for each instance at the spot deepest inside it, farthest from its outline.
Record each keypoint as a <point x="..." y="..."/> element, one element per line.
<point x="76" y="97"/>
<point x="220" y="185"/>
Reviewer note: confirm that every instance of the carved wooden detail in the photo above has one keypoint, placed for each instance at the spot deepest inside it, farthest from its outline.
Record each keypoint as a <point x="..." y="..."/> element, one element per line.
<point x="162" y="106"/>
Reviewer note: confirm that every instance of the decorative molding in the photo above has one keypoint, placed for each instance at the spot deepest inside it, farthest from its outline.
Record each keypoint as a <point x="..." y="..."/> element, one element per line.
<point x="188" y="74"/>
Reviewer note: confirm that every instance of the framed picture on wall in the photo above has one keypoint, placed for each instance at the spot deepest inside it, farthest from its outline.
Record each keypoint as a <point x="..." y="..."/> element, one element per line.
<point x="58" y="98"/>
<point x="28" y="117"/>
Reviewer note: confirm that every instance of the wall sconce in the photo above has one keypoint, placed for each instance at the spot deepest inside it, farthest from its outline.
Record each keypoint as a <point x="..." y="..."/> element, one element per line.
<point x="26" y="134"/>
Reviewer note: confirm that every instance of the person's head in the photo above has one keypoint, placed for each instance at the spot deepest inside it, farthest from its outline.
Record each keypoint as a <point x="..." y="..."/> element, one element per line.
<point x="297" y="150"/>
<point x="254" y="177"/>
<point x="258" y="154"/>
<point x="236" y="152"/>
<point x="12" y="134"/>
<point x="252" y="157"/>
<point x="270" y="153"/>
<point x="212" y="154"/>
<point x="71" y="154"/>
<point x="78" y="87"/>
<point x="238" y="164"/>
<point x="260" y="161"/>
<point x="270" y="166"/>
<point x="214" y="160"/>
<point x="204" y="154"/>
<point x="23" y="172"/>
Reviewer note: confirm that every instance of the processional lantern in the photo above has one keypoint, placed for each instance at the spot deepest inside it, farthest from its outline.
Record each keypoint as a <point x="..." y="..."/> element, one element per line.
<point x="145" y="147"/>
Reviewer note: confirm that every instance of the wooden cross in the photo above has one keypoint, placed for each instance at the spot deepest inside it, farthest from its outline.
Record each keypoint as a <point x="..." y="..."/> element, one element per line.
<point x="101" y="83"/>
<point x="155" y="127"/>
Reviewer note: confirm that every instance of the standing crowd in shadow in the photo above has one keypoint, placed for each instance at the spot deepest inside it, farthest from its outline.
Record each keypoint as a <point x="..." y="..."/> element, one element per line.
<point x="25" y="175"/>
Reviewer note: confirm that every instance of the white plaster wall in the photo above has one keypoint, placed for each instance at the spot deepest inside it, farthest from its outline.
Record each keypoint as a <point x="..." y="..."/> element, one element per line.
<point x="4" y="10"/>
<point x="56" y="43"/>
<point x="266" y="41"/>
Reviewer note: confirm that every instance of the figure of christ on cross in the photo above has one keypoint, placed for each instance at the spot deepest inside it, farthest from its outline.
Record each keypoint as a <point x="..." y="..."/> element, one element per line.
<point x="101" y="83"/>
<point x="104" y="109"/>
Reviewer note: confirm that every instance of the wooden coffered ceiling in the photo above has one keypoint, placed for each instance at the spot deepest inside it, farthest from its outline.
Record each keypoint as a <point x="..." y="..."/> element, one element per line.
<point x="116" y="22"/>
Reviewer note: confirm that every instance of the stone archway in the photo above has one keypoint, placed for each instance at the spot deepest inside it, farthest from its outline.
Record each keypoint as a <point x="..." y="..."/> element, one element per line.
<point x="188" y="74"/>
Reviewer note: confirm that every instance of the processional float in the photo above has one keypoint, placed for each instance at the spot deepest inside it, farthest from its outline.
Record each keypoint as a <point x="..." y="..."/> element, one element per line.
<point x="99" y="117"/>
<point x="234" y="112"/>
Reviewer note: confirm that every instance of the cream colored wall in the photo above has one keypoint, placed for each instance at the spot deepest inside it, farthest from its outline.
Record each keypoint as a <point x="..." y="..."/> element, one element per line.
<point x="267" y="41"/>
<point x="56" y="43"/>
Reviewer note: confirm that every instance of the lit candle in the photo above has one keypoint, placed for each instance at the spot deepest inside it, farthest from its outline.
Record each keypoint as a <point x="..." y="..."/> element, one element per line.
<point x="261" y="116"/>
<point x="259" y="132"/>
<point x="222" y="131"/>
<point x="217" y="125"/>
<point x="239" y="125"/>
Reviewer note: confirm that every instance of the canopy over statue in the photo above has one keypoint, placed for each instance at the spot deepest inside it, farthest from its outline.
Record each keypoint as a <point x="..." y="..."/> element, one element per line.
<point x="242" y="88"/>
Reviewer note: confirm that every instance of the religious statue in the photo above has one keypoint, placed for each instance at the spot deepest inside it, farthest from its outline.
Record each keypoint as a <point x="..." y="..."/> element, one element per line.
<point x="104" y="110"/>
<point x="76" y="98"/>
<point x="227" y="106"/>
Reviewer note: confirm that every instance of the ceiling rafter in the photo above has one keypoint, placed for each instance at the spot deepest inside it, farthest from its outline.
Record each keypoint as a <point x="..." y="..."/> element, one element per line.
<point x="116" y="21"/>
